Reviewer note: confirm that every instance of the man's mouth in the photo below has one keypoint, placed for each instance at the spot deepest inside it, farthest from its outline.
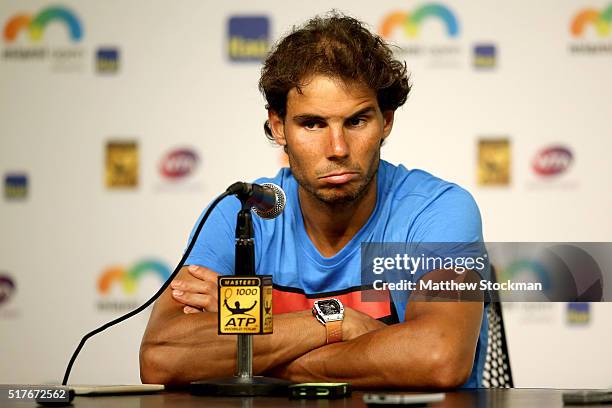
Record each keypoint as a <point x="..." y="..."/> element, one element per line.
<point x="339" y="177"/>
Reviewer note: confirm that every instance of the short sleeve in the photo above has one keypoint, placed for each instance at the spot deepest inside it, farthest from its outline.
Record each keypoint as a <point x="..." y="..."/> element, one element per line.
<point x="452" y="216"/>
<point x="449" y="230"/>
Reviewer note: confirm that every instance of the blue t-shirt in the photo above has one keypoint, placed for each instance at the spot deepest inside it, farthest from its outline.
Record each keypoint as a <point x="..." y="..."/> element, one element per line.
<point x="412" y="206"/>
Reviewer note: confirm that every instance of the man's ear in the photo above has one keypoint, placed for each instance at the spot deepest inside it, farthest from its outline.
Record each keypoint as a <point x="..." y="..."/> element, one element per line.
<point x="277" y="126"/>
<point x="388" y="117"/>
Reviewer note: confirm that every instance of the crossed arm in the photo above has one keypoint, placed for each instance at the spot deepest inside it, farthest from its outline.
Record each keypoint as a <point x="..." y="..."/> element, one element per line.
<point x="433" y="348"/>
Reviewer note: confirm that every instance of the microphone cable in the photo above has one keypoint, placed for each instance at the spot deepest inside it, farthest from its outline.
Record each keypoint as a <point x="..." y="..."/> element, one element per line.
<point x="154" y="297"/>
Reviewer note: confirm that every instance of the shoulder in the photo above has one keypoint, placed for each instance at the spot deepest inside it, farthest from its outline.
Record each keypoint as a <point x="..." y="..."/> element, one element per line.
<point x="420" y="186"/>
<point x="402" y="181"/>
<point x="442" y="211"/>
<point x="453" y="216"/>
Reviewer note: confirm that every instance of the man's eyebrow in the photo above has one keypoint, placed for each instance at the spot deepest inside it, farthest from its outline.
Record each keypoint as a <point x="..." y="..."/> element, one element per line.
<point x="366" y="110"/>
<point x="312" y="116"/>
<point x="308" y="116"/>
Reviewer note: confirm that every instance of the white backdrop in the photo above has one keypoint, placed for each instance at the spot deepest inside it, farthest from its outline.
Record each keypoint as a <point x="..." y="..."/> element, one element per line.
<point x="176" y="88"/>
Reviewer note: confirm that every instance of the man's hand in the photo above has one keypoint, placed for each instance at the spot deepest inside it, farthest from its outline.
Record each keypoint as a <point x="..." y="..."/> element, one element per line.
<point x="197" y="291"/>
<point x="357" y="323"/>
<point x="176" y="346"/>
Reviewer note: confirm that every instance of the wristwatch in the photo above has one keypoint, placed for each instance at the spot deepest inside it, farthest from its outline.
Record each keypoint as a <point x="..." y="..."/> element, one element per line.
<point x="330" y="312"/>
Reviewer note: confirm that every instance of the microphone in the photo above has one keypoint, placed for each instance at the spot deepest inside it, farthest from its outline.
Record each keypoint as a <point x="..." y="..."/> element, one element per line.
<point x="266" y="200"/>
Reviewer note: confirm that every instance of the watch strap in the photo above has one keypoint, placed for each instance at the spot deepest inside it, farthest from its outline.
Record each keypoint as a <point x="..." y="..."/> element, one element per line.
<point x="334" y="331"/>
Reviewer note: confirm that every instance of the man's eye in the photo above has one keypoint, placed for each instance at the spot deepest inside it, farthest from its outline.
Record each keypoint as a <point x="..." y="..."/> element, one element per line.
<point x="356" y="121"/>
<point x="311" y="125"/>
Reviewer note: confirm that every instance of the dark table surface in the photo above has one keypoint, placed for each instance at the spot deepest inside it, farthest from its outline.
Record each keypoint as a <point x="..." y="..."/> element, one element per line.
<point x="518" y="397"/>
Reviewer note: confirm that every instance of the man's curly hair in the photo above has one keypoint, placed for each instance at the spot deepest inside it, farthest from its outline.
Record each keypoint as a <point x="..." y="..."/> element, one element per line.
<point x="337" y="46"/>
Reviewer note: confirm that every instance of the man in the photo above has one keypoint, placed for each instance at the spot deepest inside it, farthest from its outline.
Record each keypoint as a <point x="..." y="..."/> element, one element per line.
<point x="332" y="89"/>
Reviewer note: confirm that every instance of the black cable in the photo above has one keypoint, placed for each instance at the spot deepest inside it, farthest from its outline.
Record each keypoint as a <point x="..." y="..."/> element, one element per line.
<point x="154" y="297"/>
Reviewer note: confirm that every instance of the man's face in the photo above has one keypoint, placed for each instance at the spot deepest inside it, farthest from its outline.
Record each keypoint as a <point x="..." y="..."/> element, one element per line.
<point x="332" y="132"/>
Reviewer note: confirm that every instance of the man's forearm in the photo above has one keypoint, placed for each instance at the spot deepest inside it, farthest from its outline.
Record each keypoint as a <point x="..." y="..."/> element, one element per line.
<point x="188" y="347"/>
<point x="425" y="357"/>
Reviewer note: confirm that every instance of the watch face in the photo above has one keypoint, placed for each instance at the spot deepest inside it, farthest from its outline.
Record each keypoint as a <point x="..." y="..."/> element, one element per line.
<point x="329" y="307"/>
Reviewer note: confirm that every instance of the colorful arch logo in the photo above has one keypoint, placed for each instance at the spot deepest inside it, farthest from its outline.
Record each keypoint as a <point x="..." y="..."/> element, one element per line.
<point x="601" y="21"/>
<point x="36" y="25"/>
<point x="526" y="267"/>
<point x="411" y="22"/>
<point x="129" y="278"/>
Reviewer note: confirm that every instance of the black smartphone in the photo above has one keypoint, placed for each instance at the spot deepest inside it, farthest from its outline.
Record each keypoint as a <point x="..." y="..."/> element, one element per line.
<point x="320" y="390"/>
<point x="390" y="399"/>
<point x="587" y="397"/>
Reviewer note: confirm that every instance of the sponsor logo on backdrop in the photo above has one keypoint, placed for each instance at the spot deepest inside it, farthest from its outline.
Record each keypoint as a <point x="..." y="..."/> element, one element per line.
<point x="552" y="161"/>
<point x="578" y="313"/>
<point x="16" y="186"/>
<point x="179" y="170"/>
<point x="248" y="38"/>
<point x="410" y="22"/>
<point x="591" y="31"/>
<point x="539" y="312"/>
<point x="532" y="313"/>
<point x="24" y="34"/>
<point x="118" y="286"/>
<point x="430" y="31"/>
<point x="526" y="270"/>
<point x="567" y="272"/>
<point x="122" y="164"/>
<point x="485" y="56"/>
<point x="494" y="162"/>
<point x="551" y="167"/>
<point x="107" y="60"/>
<point x="178" y="164"/>
<point x="35" y="25"/>
<point x="7" y="288"/>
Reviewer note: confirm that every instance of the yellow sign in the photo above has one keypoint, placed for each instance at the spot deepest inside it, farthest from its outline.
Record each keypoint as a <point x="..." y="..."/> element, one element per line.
<point x="245" y="304"/>
<point x="121" y="164"/>
<point x="494" y="161"/>
<point x="267" y="312"/>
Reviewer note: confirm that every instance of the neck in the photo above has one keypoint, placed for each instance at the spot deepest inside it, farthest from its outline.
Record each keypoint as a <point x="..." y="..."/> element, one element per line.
<point x="332" y="226"/>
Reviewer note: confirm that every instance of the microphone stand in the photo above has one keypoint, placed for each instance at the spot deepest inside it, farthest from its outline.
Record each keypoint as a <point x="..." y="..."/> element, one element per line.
<point x="243" y="383"/>
<point x="244" y="265"/>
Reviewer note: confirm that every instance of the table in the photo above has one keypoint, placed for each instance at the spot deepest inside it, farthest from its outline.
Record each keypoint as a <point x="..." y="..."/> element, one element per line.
<point x="517" y="397"/>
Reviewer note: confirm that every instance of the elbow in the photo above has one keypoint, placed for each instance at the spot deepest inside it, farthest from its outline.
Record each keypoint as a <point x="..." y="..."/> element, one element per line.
<point x="442" y="367"/>
<point x="154" y="368"/>
<point x="449" y="368"/>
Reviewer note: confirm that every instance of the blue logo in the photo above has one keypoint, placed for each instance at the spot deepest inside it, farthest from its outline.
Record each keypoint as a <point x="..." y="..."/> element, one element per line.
<point x="248" y="38"/>
<point x="578" y="313"/>
<point x="485" y="56"/>
<point x="16" y="186"/>
<point x="107" y="60"/>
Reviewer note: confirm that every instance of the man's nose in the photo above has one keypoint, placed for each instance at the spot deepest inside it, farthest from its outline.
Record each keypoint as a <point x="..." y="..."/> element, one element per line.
<point x="338" y="148"/>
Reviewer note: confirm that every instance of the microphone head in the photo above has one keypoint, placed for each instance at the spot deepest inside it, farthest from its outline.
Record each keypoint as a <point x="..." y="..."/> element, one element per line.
<point x="279" y="202"/>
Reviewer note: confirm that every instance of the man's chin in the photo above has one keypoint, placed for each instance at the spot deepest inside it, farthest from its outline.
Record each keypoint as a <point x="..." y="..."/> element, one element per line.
<point x="338" y="195"/>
